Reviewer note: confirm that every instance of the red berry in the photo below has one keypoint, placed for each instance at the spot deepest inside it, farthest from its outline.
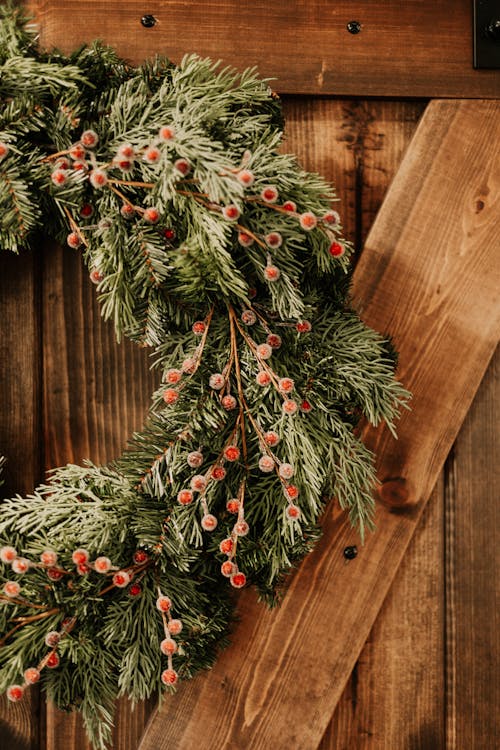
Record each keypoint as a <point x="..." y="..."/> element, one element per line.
<point x="226" y="546"/>
<point x="303" y="326"/>
<point x="209" y="522"/>
<point x="308" y="221"/>
<point x="245" y="177"/>
<point x="89" y="138"/>
<point x="238" y="580"/>
<point x="102" y="564"/>
<point x="292" y="491"/>
<point x="32" y="675"/>
<point x="231" y="212"/>
<point x="290" y="206"/>
<point x="80" y="164"/>
<point x="198" y="483"/>
<point x="336" y="249"/>
<point x="232" y="453"/>
<point x="195" y="459"/>
<point x="163" y="603"/>
<point x="121" y="579"/>
<point x="274" y="340"/>
<point x="168" y="646"/>
<point x="229" y="402"/>
<point x="182" y="166"/>
<point x="152" y="155"/>
<point x="11" y="588"/>
<point x="185" y="497"/>
<point x="286" y="471"/>
<point x="293" y="511"/>
<point x="20" y="565"/>
<point x="52" y="638"/>
<point x="96" y="276"/>
<point x="83" y="569"/>
<point x="73" y="240"/>
<point x="151" y="215"/>
<point x="135" y="589"/>
<point x="305" y="406"/>
<point x="140" y="557"/>
<point x="54" y="574"/>
<point x="286" y="385"/>
<point x="166" y="133"/>
<point x="126" y="150"/>
<point x="216" y="381"/>
<point x="98" y="178"/>
<point x="77" y="151"/>
<point x="127" y="211"/>
<point x="86" y="210"/>
<point x="7" y="554"/>
<point x="331" y="217"/>
<point x="289" y="406"/>
<point x="52" y="661"/>
<point x="173" y="376"/>
<point x="174" y="627"/>
<point x="272" y="273"/>
<point x="269" y="194"/>
<point x="233" y="505"/>
<point x="274" y="239"/>
<point x="263" y="378"/>
<point x="80" y="556"/>
<point x="59" y="177"/>
<point x="248" y="317"/>
<point x="124" y="164"/>
<point x="241" y="528"/>
<point x="264" y="351"/>
<point x="189" y="365"/>
<point x="266" y="464"/>
<point x="218" y="473"/>
<point x="245" y="239"/>
<point x="228" y="568"/>
<point x="170" y="396"/>
<point x="169" y="234"/>
<point x="199" y="327"/>
<point x="271" y="438"/>
<point x="169" y="677"/>
<point x="4" y="150"/>
<point x="15" y="693"/>
<point x="62" y="163"/>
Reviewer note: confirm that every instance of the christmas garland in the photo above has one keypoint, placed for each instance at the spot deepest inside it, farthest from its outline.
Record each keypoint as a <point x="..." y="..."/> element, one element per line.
<point x="211" y="246"/>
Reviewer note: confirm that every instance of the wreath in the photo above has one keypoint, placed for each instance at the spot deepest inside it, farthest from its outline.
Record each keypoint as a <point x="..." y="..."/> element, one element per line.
<point x="213" y="247"/>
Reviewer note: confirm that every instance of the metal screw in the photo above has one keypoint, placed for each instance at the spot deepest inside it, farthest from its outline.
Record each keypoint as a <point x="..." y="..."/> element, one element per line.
<point x="148" y="21"/>
<point x="353" y="27"/>
<point x="350" y="552"/>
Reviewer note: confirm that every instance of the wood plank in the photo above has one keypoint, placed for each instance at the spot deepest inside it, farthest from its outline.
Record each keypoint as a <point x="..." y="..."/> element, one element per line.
<point x="472" y="586"/>
<point x="96" y="393"/>
<point x="417" y="280"/>
<point x="405" y="48"/>
<point x="20" y="386"/>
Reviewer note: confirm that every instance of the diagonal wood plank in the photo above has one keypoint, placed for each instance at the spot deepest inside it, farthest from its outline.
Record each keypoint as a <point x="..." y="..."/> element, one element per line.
<point x="429" y="275"/>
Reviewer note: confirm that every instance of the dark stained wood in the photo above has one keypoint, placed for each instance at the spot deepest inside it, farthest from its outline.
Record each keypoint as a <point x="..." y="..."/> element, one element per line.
<point x="416" y="280"/>
<point x="472" y="564"/>
<point x="405" y="48"/>
<point x="20" y="386"/>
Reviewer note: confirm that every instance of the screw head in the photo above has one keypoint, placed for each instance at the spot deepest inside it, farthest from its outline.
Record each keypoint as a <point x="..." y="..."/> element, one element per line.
<point x="353" y="27"/>
<point x="148" y="21"/>
<point x="350" y="552"/>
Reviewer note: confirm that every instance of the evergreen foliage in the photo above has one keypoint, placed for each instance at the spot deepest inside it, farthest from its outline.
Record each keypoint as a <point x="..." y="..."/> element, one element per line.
<point x="211" y="246"/>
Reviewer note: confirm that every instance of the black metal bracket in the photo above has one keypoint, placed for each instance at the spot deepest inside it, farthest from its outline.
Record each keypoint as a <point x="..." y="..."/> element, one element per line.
<point x="486" y="33"/>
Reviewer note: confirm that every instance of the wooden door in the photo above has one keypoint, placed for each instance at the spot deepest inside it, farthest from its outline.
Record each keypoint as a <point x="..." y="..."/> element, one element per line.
<point x="425" y="676"/>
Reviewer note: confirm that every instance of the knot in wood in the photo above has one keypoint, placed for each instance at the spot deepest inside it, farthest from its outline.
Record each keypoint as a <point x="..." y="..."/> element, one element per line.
<point x="395" y="493"/>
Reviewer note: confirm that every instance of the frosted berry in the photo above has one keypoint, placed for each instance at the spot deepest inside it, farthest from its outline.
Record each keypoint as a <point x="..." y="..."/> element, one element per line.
<point x="286" y="385"/>
<point x="11" y="589"/>
<point x="62" y="163"/>
<point x="274" y="340"/>
<point x="151" y="215"/>
<point x="226" y="546"/>
<point x="126" y="150"/>
<point x="199" y="327"/>
<point x="124" y="164"/>
<point x="233" y="505"/>
<point x="127" y="211"/>
<point x="269" y="194"/>
<point x="166" y="133"/>
<point x="263" y="378"/>
<point x="59" y="177"/>
<point x="173" y="376"/>
<point x="216" y="381"/>
<point x="170" y="396"/>
<point x="238" y="580"/>
<point x="231" y="453"/>
<point x="102" y="564"/>
<point x="303" y="326"/>
<point x="182" y="166"/>
<point x="20" y="565"/>
<point x="4" y="150"/>
<point x="7" y="554"/>
<point x="168" y="646"/>
<point x="89" y="139"/>
<point x="305" y="407"/>
<point x="231" y="212"/>
<point x="290" y="206"/>
<point x="152" y="155"/>
<point x="331" y="217"/>
<point x="48" y="557"/>
<point x="248" y="317"/>
<point x="252" y="292"/>
<point x="289" y="406"/>
<point x="241" y="528"/>
<point x="96" y="276"/>
<point x="293" y="511"/>
<point x="80" y="164"/>
<point x="32" y="675"/>
<point x="266" y="463"/>
<point x="336" y="249"/>
<point x="245" y="239"/>
<point x="245" y="177"/>
<point x="140" y="557"/>
<point x="135" y="589"/>
<point x="228" y="568"/>
<point x="52" y="638"/>
<point x="195" y="459"/>
<point x="308" y="221"/>
<point x="264" y="351"/>
<point x="54" y="574"/>
<point x="15" y="693"/>
<point x="169" y="677"/>
<point x="98" y="178"/>
<point x="272" y="273"/>
<point x="169" y="234"/>
<point x="218" y="473"/>
<point x="52" y="661"/>
<point x="82" y="569"/>
<point x="77" y="151"/>
<point x="292" y="491"/>
<point x="271" y="438"/>
<point x="229" y="402"/>
<point x="189" y="365"/>
<point x="274" y="239"/>
<point x="209" y="522"/>
<point x="185" y="497"/>
<point x="121" y="579"/>
<point x="163" y="603"/>
<point x="73" y="240"/>
<point x="286" y="471"/>
<point x="174" y="627"/>
<point x="198" y="483"/>
<point x="86" y="211"/>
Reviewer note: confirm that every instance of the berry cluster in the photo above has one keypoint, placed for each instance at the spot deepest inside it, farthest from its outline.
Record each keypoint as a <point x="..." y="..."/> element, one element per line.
<point x="168" y="645"/>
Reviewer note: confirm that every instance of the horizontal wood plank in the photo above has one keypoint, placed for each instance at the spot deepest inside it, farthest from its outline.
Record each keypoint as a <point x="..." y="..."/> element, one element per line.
<point x="405" y="48"/>
<point x="429" y="275"/>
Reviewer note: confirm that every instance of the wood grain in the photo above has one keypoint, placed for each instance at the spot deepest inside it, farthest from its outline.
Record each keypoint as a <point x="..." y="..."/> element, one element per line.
<point x="20" y="386"/>
<point x="405" y="48"/>
<point x="416" y="280"/>
<point x="472" y="563"/>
